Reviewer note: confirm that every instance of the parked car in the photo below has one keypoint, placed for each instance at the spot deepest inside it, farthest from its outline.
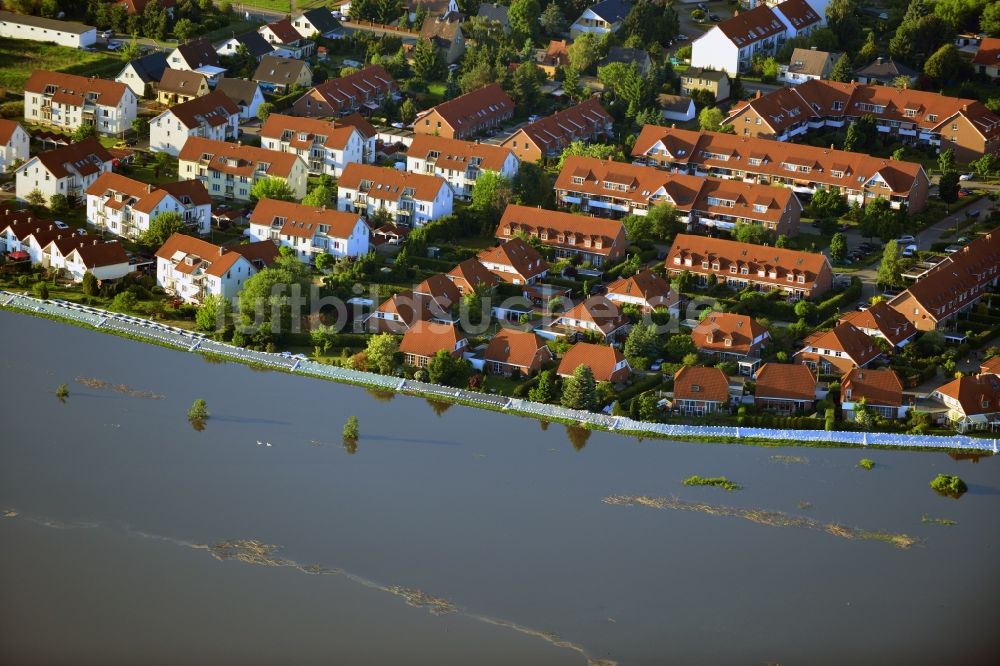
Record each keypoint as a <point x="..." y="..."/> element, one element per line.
<point x="966" y="176"/>
<point x="60" y="224"/>
<point x="681" y="38"/>
<point x="107" y="34"/>
<point x="906" y="239"/>
<point x="964" y="192"/>
<point x="8" y="187"/>
<point x="114" y="46"/>
<point x="952" y="249"/>
<point x="702" y="6"/>
<point x="715" y="18"/>
<point x="962" y="240"/>
<point x="657" y="364"/>
<point x="909" y="250"/>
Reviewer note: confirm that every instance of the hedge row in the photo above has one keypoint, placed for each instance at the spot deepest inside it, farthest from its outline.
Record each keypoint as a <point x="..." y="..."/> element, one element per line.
<point x="782" y="422"/>
<point x="639" y="386"/>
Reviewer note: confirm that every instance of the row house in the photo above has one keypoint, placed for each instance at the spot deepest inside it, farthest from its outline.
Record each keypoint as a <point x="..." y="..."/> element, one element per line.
<point x="594" y="240"/>
<point x="309" y="231"/>
<point x="14" y="144"/>
<point x="424" y="340"/>
<point x="740" y="265"/>
<point x="191" y="269"/>
<point x="549" y="136"/>
<point x="325" y="146"/>
<point x="913" y="116"/>
<point x="467" y="115"/>
<point x="973" y="402"/>
<point x="953" y="287"/>
<point x="515" y="262"/>
<point x="882" y="321"/>
<point x="286" y="40"/>
<point x="838" y="350"/>
<point x="595" y="316"/>
<point x="213" y="117"/>
<point x="880" y="390"/>
<point x="700" y="390"/>
<point x="177" y="86"/>
<point x="512" y="352"/>
<point x="362" y="91"/>
<point x="731" y="45"/>
<point x="802" y="168"/>
<point x="728" y="336"/>
<point x="67" y="170"/>
<point x="616" y="189"/>
<point x="458" y="162"/>
<point x="470" y="276"/>
<point x="434" y="299"/>
<point x="785" y="388"/>
<point x="411" y="199"/>
<point x="125" y="207"/>
<point x="647" y="292"/>
<point x="68" y="101"/>
<point x="606" y="363"/>
<point x="229" y="170"/>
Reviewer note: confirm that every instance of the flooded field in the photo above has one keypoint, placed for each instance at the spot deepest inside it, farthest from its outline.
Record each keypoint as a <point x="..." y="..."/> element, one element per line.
<point x="449" y="535"/>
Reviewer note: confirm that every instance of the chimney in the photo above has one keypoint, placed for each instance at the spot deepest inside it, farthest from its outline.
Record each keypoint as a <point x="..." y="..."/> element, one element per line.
<point x="149" y="187"/>
<point x="757" y="96"/>
<point x="222" y="250"/>
<point x="832" y="147"/>
<point x="879" y="60"/>
<point x="95" y="242"/>
<point x="812" y="48"/>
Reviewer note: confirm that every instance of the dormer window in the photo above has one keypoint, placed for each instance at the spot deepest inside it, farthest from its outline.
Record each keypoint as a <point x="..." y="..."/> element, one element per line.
<point x="729" y="342"/>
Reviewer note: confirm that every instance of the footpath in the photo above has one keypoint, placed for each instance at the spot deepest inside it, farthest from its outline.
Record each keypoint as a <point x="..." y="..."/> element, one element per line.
<point x="184" y="340"/>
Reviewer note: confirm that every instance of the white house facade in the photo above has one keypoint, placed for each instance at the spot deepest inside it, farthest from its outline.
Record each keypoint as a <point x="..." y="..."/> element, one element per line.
<point x="124" y="207"/>
<point x="325" y="147"/>
<point x="309" y="231"/>
<point x="68" y="101"/>
<point x="40" y="29"/>
<point x="69" y="170"/>
<point x="410" y="199"/>
<point x="14" y="143"/>
<point x="213" y="116"/>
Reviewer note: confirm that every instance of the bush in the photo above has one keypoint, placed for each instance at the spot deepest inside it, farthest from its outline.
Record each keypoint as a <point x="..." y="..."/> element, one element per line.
<point x="866" y="463"/>
<point x="717" y="481"/>
<point x="946" y="484"/>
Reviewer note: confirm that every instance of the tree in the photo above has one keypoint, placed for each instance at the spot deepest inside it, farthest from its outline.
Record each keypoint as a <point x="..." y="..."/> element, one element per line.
<point x="679" y="345"/>
<point x="899" y="153"/>
<point x="198" y="411"/>
<point x="580" y="390"/>
<point x="83" y="132"/>
<point x="523" y="16"/>
<point x="755" y="234"/>
<point x="584" y="52"/>
<point x="130" y="51"/>
<point x="319" y="196"/>
<point x="184" y="29"/>
<point x="90" y="284"/>
<point x="828" y="203"/>
<point x="552" y="20"/>
<point x="264" y="110"/>
<point x="945" y="64"/>
<point x="710" y="119"/>
<point x="490" y="196"/>
<point x="446" y="370"/>
<point x="946" y="160"/>
<point x="532" y="186"/>
<point x="838" y="246"/>
<point x="990" y="19"/>
<point x="649" y="23"/>
<point x="162" y="163"/>
<point x="869" y="51"/>
<point x="842" y="71"/>
<point x="948" y="187"/>
<point x="641" y="345"/>
<point x="545" y="389"/>
<point x="59" y="204"/>
<point x="162" y="227"/>
<point x="382" y="350"/>
<point x="270" y="293"/>
<point x="841" y="16"/>
<point x="769" y="70"/>
<point x="213" y="313"/>
<point x="890" y="269"/>
<point x="526" y="87"/>
<point x="351" y="432"/>
<point x="627" y="84"/>
<point x="271" y="188"/>
<point x="601" y="151"/>
<point x="986" y="165"/>
<point x="42" y="290"/>
<point x="407" y="111"/>
<point x="860" y="134"/>
<point x="427" y="62"/>
<point x="35" y="198"/>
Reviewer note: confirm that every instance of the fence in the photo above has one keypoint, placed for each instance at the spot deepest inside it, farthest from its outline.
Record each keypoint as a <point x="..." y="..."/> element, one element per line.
<point x="196" y="342"/>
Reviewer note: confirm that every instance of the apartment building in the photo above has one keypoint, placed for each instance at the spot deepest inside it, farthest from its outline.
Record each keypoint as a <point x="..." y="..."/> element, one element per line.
<point x="595" y="240"/>
<point x="213" y="116"/>
<point x="309" y="231"/>
<point x="363" y="91"/>
<point x="192" y="269"/>
<point x="14" y="143"/>
<point x="798" y="274"/>
<point x="68" y="170"/>
<point x="549" y="136"/>
<point x="125" y="207"/>
<point x="913" y="116"/>
<point x="802" y="168"/>
<point x="467" y="115"/>
<point x="411" y="199"/>
<point x="68" y="101"/>
<point x="325" y="146"/>
<point x="458" y="162"/>
<point x="229" y="170"/>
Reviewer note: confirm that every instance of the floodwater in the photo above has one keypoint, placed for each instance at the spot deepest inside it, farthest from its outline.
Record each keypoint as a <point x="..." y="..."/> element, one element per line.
<point x="452" y="535"/>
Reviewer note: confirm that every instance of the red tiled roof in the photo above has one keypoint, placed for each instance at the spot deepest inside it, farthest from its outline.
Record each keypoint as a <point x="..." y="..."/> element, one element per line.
<point x="752" y="26"/>
<point x="598" y="310"/>
<point x="785" y="380"/>
<point x="7" y="129"/>
<point x="514" y="347"/>
<point x="214" y="109"/>
<point x="988" y="53"/>
<point x="581" y="228"/>
<point x="520" y="256"/>
<point x="976" y="394"/>
<point x="474" y="107"/>
<point x="284" y="31"/>
<point x="877" y="387"/>
<point x="701" y="383"/>
<point x="71" y="89"/>
<point x="577" y="122"/>
<point x="86" y="157"/>
<point x="235" y="158"/>
<point x="343" y="92"/>
<point x="288" y="128"/>
<point x="848" y="339"/>
<point x="645" y="284"/>
<point x="456" y="155"/>
<point x="98" y="254"/>
<point x="601" y="359"/>
<point x="428" y="338"/>
<point x="304" y="221"/>
<point x="881" y="317"/>
<point x="739" y="330"/>
<point x="212" y="259"/>
<point x="389" y="184"/>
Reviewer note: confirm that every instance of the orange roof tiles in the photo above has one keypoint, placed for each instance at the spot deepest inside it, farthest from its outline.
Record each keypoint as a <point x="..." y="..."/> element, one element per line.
<point x="727" y="332"/>
<point x="193" y="254"/>
<point x="893" y="326"/>
<point x="988" y="53"/>
<point x="455" y="154"/>
<point x="976" y="394"/>
<point x="301" y="131"/>
<point x="304" y="221"/>
<point x="519" y="255"/>
<point x="877" y="387"/>
<point x="598" y="310"/>
<point x="701" y="383"/>
<point x="645" y="285"/>
<point x="428" y="338"/>
<point x="602" y="360"/>
<point x="752" y="26"/>
<point x="596" y="235"/>
<point x="514" y="347"/>
<point x="475" y="107"/>
<point x="85" y="157"/>
<point x="237" y="159"/>
<point x="785" y="381"/>
<point x="213" y="109"/>
<point x="577" y="122"/>
<point x="389" y="184"/>
<point x="71" y="89"/>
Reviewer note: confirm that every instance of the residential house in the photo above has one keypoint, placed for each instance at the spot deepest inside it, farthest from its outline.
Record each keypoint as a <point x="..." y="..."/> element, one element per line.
<point x="229" y="170"/>
<point x="601" y="19"/>
<point x="318" y="21"/>
<point x="68" y="101"/>
<point x="785" y="388"/>
<point x="497" y="13"/>
<point x="676" y="107"/>
<point x="937" y="300"/>
<point x="458" y="162"/>
<point x="278" y="75"/>
<point x="33" y="240"/>
<point x="143" y="74"/>
<point x="425" y="339"/>
<point x="715" y="81"/>
<point x="253" y="42"/>
<point x="554" y="56"/>
<point x="191" y="269"/>
<point x="197" y="55"/>
<point x="244" y="94"/>
<point x="15" y="224"/>
<point x="470" y="276"/>
<point x="973" y="402"/>
<point x="627" y="56"/>
<point x="549" y="136"/>
<point x="444" y="31"/>
<point x="807" y="64"/>
<point x="213" y="116"/>
<point x="467" y="115"/>
<point x="596" y="315"/>
<point x="181" y="85"/>
<point x="309" y="231"/>
<point x="732" y="44"/>
<point x="514" y="262"/>
<point x="325" y="146"/>
<point x="802" y="168"/>
<point x="14" y="144"/>
<point x="881" y="391"/>
<point x="55" y="253"/>
<point x="699" y="391"/>
<point x="838" y="350"/>
<point x="990" y="366"/>
<point x="104" y="260"/>
<point x="885" y="72"/>
<point x="513" y="352"/>
<point x="594" y="240"/>
<point x="368" y="133"/>
<point x="286" y="40"/>
<point x="363" y="90"/>
<point x="615" y="189"/>
<point x="606" y="363"/>
<point x="125" y="207"/>
<point x="987" y="58"/>
<point x="731" y="337"/>
<point x="647" y="291"/>
<point x="411" y="199"/>
<point x="40" y="29"/>
<point x="434" y="299"/>
<point x="882" y="321"/>
<point x="68" y="170"/>
<point x="799" y="274"/>
<point x="430" y="7"/>
<point x="911" y="116"/>
<point x="137" y="7"/>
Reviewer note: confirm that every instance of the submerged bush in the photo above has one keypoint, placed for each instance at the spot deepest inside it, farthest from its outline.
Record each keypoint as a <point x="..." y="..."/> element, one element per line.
<point x="717" y="481"/>
<point x="946" y="484"/>
<point x="866" y="463"/>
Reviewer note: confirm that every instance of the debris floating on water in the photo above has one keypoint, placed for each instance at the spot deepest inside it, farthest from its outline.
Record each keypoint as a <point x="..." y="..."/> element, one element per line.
<point x="94" y="383"/>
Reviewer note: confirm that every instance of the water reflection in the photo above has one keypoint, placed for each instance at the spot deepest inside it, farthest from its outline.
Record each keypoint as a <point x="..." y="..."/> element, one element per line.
<point x="578" y="436"/>
<point x="382" y="395"/>
<point x="439" y="406"/>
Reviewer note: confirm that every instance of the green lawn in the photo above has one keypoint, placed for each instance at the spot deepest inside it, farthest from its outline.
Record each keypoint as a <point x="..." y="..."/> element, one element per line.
<point x="20" y="57"/>
<point x="230" y="29"/>
<point x="284" y="6"/>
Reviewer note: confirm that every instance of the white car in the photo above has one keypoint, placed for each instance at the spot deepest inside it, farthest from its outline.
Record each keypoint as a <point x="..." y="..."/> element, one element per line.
<point x="60" y="224"/>
<point x="906" y="239"/>
<point x="909" y="250"/>
<point x="965" y="176"/>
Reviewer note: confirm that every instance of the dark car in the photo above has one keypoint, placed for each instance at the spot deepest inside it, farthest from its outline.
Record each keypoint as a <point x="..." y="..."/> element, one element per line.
<point x="714" y="18"/>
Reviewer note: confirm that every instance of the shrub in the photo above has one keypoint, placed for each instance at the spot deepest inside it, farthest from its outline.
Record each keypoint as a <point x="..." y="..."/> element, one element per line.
<point x="866" y="463"/>
<point x="198" y="411"/>
<point x="717" y="481"/>
<point x="946" y="484"/>
<point x="62" y="391"/>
